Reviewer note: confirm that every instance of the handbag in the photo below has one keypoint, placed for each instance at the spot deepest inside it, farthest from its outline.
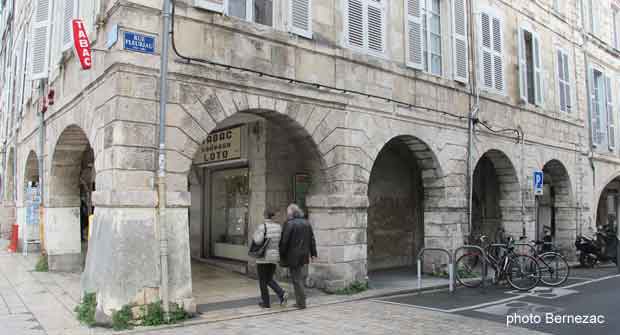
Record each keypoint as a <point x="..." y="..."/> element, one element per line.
<point x="258" y="250"/>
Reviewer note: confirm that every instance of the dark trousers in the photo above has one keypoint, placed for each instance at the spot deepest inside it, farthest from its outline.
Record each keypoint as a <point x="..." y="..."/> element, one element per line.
<point x="265" y="280"/>
<point x="298" y="277"/>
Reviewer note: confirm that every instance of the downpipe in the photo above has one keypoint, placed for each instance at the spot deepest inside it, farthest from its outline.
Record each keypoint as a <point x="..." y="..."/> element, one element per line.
<point x="160" y="221"/>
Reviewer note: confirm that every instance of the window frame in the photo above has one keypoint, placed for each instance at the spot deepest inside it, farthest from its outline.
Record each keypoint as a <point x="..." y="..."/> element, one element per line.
<point x="492" y="13"/>
<point x="615" y="16"/>
<point x="383" y="5"/>
<point x="537" y="70"/>
<point x="428" y="53"/>
<point x="249" y="12"/>
<point x="560" y="81"/>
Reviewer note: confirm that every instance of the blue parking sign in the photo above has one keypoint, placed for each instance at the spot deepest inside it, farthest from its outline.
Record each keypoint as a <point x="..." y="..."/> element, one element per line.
<point x="538" y="182"/>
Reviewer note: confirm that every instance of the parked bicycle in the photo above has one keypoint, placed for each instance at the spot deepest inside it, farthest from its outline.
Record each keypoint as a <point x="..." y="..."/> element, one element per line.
<point x="554" y="269"/>
<point x="521" y="271"/>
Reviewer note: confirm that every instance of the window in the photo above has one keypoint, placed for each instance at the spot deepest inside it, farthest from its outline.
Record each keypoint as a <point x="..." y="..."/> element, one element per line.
<point x="41" y="38"/>
<point x="563" y="79"/>
<point x="593" y="14"/>
<point x="601" y="108"/>
<point x="431" y="36"/>
<point x="530" y="69"/>
<point x="557" y="6"/>
<point x="257" y="11"/>
<point x="365" y="25"/>
<point x="459" y="29"/>
<point x="300" y="17"/>
<point x="492" y="48"/>
<point x="615" y="24"/>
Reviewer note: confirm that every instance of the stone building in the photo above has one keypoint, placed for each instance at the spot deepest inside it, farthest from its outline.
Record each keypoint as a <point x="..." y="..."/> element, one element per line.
<point x="358" y="110"/>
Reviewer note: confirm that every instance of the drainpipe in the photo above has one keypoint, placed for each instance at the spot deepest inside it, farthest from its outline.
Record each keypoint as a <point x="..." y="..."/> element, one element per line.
<point x="523" y="178"/>
<point x="160" y="221"/>
<point x="472" y="123"/>
<point x="41" y="179"/>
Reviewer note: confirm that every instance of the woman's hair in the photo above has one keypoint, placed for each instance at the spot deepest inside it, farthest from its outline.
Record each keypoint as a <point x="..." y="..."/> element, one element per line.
<point x="293" y="211"/>
<point x="270" y="213"/>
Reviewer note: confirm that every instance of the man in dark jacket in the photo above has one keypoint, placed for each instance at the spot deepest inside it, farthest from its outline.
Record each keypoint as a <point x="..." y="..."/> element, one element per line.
<point x="297" y="245"/>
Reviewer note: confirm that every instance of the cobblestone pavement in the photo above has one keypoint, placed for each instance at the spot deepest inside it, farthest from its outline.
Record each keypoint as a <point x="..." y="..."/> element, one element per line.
<point x="359" y="318"/>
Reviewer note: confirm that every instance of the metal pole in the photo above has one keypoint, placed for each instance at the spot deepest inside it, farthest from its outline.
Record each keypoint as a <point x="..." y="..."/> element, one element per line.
<point x="451" y="272"/>
<point x="161" y="174"/>
<point x="41" y="179"/>
<point x="419" y="274"/>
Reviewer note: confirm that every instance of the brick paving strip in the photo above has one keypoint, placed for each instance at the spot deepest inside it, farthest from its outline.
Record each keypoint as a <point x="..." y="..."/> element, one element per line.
<point x="42" y="303"/>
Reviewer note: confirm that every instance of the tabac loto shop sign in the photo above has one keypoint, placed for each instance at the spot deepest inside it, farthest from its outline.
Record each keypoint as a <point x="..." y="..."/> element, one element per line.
<point x="222" y="145"/>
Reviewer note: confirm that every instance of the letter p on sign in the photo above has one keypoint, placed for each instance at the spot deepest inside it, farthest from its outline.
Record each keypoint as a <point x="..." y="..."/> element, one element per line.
<point x="81" y="44"/>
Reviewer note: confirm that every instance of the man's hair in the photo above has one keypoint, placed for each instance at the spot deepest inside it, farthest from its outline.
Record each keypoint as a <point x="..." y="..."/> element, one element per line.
<point x="293" y="211"/>
<point x="270" y="213"/>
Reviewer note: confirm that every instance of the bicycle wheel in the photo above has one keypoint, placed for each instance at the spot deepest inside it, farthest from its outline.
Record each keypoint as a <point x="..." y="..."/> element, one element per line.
<point x="554" y="269"/>
<point x="523" y="273"/>
<point x="469" y="270"/>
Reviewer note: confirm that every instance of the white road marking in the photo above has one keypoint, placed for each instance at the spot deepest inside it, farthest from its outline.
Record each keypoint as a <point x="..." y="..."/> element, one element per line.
<point x="411" y="306"/>
<point x="592" y="281"/>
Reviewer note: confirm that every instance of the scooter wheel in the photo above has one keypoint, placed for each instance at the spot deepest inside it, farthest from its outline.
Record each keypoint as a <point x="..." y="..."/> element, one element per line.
<point x="587" y="261"/>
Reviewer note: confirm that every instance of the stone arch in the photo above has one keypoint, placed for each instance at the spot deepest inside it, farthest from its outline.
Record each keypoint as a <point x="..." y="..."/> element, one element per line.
<point x="496" y="198"/>
<point x="405" y="189"/>
<point x="70" y="184"/>
<point x="31" y="169"/>
<point x="558" y="198"/>
<point x="607" y="207"/>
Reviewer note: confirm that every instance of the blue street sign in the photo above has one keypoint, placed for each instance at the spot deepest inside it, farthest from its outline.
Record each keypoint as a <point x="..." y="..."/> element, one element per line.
<point x="538" y="182"/>
<point x="139" y="42"/>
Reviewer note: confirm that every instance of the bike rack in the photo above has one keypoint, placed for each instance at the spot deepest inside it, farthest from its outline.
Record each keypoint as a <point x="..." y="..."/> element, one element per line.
<point x="450" y="266"/>
<point x="532" y="247"/>
<point x="484" y="258"/>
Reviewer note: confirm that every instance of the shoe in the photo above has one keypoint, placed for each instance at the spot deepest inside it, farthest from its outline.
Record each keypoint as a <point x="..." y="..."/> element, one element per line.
<point x="284" y="299"/>
<point x="299" y="306"/>
<point x="261" y="305"/>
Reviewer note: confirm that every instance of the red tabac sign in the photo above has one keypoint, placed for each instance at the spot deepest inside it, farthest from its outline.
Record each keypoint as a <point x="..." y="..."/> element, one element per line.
<point x="82" y="45"/>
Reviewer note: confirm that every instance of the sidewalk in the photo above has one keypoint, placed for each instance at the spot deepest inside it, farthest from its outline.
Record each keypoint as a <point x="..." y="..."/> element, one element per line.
<point x="42" y="303"/>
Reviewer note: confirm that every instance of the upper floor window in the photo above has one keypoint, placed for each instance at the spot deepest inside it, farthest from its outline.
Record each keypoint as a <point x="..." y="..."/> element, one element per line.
<point x="615" y="25"/>
<point x="601" y="108"/>
<point x="593" y="12"/>
<point x="431" y="35"/>
<point x="563" y="79"/>
<point x="530" y="67"/>
<point x="258" y="11"/>
<point x="365" y="25"/>
<point x="492" y="51"/>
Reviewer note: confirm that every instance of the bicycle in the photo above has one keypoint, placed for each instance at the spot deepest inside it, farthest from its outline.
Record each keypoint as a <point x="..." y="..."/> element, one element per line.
<point x="521" y="271"/>
<point x="554" y="269"/>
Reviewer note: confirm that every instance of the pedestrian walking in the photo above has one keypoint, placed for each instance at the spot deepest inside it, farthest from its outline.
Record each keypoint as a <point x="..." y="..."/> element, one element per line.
<point x="269" y="232"/>
<point x="297" y="247"/>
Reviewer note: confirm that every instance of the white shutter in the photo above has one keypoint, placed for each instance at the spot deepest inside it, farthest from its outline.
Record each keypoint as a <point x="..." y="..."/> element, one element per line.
<point x="522" y="65"/>
<point x="376" y="25"/>
<point x="595" y="111"/>
<point x="300" y="18"/>
<point x="355" y="23"/>
<point x="69" y="12"/>
<point x="611" y="120"/>
<point x="498" y="57"/>
<point x="539" y="98"/>
<point x="40" y="39"/>
<point x="212" y="5"/>
<point x="414" y="34"/>
<point x="459" y="26"/>
<point x="87" y="13"/>
<point x="486" y="51"/>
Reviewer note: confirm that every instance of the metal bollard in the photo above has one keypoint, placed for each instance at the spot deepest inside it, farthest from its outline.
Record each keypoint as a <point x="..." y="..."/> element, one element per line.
<point x="451" y="273"/>
<point x="419" y="274"/>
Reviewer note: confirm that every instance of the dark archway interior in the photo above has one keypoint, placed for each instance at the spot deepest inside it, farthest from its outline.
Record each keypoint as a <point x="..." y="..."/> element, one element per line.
<point x="396" y="208"/>
<point x="486" y="211"/>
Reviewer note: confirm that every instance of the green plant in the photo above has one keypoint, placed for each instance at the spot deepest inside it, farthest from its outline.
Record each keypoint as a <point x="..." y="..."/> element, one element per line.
<point x="354" y="288"/>
<point x="176" y="313"/>
<point x="121" y="319"/>
<point x="440" y="274"/>
<point x="86" y="309"/>
<point x="153" y="314"/>
<point x="42" y="265"/>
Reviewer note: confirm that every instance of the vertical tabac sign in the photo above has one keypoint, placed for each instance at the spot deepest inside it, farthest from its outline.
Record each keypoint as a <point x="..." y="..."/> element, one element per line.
<point x="81" y="44"/>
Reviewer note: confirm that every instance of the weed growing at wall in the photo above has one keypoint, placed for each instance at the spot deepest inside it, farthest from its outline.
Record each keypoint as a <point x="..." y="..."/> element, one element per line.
<point x="42" y="265"/>
<point x="148" y="315"/>
<point x="354" y="288"/>
<point x="86" y="309"/>
<point x="122" y="319"/>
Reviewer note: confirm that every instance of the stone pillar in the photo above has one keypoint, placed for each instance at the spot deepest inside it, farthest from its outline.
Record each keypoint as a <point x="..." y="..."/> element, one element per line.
<point x="339" y="223"/>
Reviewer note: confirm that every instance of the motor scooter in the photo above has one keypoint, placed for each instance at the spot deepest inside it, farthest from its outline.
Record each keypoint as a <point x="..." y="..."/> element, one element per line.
<point x="603" y="248"/>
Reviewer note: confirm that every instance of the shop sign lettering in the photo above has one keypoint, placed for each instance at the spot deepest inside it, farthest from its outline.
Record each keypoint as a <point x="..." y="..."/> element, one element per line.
<point x="220" y="146"/>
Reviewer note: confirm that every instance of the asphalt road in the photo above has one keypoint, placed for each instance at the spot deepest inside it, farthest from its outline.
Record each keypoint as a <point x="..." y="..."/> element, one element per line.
<point x="591" y="295"/>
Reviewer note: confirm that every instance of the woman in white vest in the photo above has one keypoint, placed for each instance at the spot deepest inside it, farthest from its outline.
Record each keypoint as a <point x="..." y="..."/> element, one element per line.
<point x="266" y="265"/>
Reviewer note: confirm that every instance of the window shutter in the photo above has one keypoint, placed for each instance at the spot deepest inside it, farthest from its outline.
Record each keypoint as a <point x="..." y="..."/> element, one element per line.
<point x="69" y="12"/>
<point x="212" y="5"/>
<point x="498" y="59"/>
<point x="414" y="34"/>
<point x="40" y="39"/>
<point x="486" y="50"/>
<point x="355" y="23"/>
<point x="300" y="20"/>
<point x="538" y="73"/>
<point x="459" y="26"/>
<point x="522" y="66"/>
<point x="376" y="21"/>
<point x="595" y="112"/>
<point x="611" y="122"/>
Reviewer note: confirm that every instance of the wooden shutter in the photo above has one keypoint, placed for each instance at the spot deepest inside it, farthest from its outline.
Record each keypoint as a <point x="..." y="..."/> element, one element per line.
<point x="355" y="23"/>
<point x="486" y="50"/>
<point x="522" y="65"/>
<point x="376" y="23"/>
<point x="40" y="56"/>
<point x="69" y="12"/>
<point x="539" y="98"/>
<point x="300" y="19"/>
<point x="498" y="58"/>
<point x="595" y="110"/>
<point x="459" y="26"/>
<point x="413" y="26"/>
<point x="611" y="120"/>
<point x="211" y="5"/>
